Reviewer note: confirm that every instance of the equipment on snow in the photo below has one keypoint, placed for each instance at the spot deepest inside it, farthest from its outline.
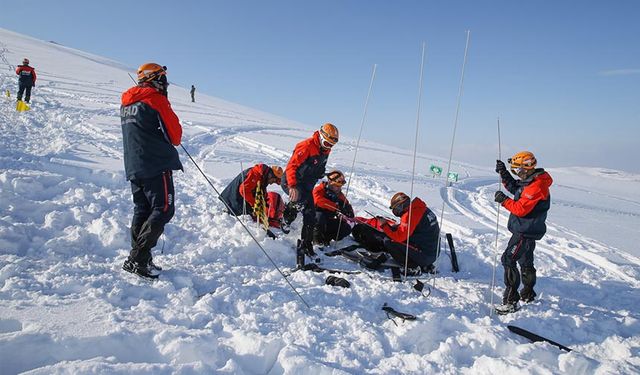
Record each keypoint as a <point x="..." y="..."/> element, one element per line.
<point x="22" y="106"/>
<point x="454" y="257"/>
<point x="337" y="281"/>
<point x="313" y="267"/>
<point x="535" y="338"/>
<point x="392" y="312"/>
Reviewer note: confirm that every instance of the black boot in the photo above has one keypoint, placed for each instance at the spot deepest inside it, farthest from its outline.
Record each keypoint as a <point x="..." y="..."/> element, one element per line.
<point x="512" y="282"/>
<point x="527" y="294"/>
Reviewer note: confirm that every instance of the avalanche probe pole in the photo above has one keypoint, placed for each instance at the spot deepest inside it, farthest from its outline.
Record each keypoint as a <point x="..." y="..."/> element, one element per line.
<point x="453" y="138"/>
<point x="495" y="253"/>
<point x="415" y="150"/>
<point x="245" y="228"/>
<point x="353" y="163"/>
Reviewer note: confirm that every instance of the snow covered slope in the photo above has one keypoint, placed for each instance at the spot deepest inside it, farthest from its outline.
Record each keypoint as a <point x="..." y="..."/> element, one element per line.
<point x="219" y="307"/>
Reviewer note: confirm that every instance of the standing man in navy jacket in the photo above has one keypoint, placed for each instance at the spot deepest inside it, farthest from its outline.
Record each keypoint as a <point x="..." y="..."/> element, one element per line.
<point x="150" y="130"/>
<point x="527" y="215"/>
<point x="26" y="80"/>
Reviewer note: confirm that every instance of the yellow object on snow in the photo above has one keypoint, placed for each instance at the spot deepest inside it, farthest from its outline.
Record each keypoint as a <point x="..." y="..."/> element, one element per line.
<point x="22" y="106"/>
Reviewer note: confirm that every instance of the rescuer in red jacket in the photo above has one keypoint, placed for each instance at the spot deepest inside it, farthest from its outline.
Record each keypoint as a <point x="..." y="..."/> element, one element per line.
<point x="306" y="166"/>
<point x="150" y="130"/>
<point x="331" y="204"/>
<point x="26" y="80"/>
<point x="528" y="213"/>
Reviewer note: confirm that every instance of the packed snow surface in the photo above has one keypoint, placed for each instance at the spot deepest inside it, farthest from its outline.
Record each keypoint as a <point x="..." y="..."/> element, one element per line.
<point x="220" y="306"/>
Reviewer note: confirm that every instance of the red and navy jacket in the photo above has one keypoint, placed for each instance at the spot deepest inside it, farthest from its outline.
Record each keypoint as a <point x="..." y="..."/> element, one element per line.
<point x="27" y="75"/>
<point x="242" y="189"/>
<point x="423" y="233"/>
<point x="150" y="130"/>
<point x="307" y="164"/>
<point x="530" y="203"/>
<point x="327" y="200"/>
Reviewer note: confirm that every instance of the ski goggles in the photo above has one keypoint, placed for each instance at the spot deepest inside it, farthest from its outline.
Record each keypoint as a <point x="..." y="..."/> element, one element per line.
<point x="338" y="182"/>
<point x="327" y="141"/>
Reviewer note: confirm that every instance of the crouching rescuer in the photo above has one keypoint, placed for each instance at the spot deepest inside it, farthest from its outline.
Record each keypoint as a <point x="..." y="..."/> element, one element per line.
<point x="417" y="222"/>
<point x="331" y="207"/>
<point x="150" y="130"/>
<point x="528" y="213"/>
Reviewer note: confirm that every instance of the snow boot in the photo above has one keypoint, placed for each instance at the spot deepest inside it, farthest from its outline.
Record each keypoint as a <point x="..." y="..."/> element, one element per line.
<point x="527" y="295"/>
<point x="507" y="308"/>
<point x="141" y="270"/>
<point x="154" y="266"/>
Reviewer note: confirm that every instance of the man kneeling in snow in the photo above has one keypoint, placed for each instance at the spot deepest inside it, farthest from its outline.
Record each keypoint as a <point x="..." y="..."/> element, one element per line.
<point x="331" y="206"/>
<point x="417" y="222"/>
<point x="240" y="195"/>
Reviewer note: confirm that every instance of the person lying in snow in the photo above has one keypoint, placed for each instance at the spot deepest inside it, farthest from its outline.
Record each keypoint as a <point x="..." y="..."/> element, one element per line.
<point x="240" y="194"/>
<point x="528" y="213"/>
<point x="385" y="235"/>
<point x="331" y="204"/>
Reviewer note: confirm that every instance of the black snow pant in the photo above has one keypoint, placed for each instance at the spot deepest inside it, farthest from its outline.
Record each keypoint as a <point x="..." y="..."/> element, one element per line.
<point x="376" y="241"/>
<point x="519" y="251"/>
<point x="26" y="89"/>
<point x="326" y="227"/>
<point x="153" y="200"/>
<point x="306" y="206"/>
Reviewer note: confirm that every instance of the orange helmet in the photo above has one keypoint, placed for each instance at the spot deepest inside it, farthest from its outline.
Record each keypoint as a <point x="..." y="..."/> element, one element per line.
<point x="150" y="71"/>
<point x="25" y="61"/>
<point x="328" y="135"/>
<point x="277" y="172"/>
<point x="399" y="203"/>
<point x="336" y="178"/>
<point x="524" y="160"/>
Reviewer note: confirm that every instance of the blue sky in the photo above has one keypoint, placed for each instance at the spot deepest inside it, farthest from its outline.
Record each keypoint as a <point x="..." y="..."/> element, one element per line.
<point x="563" y="76"/>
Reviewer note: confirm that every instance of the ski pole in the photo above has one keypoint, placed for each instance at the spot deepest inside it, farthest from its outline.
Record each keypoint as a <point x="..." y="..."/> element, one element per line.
<point x="495" y="252"/>
<point x="245" y="228"/>
<point x="415" y="151"/>
<point x="453" y="138"/>
<point x="353" y="163"/>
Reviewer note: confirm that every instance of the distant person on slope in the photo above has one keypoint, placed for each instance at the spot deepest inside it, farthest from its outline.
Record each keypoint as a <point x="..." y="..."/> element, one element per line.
<point x="26" y="80"/>
<point x="306" y="166"/>
<point x="193" y="94"/>
<point x="331" y="204"/>
<point x="240" y="194"/>
<point x="417" y="222"/>
<point x="150" y="130"/>
<point x="528" y="210"/>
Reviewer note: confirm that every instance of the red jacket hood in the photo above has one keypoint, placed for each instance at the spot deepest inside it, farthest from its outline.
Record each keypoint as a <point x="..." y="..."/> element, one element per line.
<point x="543" y="179"/>
<point x="138" y="93"/>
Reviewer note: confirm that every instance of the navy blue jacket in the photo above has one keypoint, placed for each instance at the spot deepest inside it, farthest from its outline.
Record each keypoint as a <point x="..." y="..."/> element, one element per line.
<point x="150" y="129"/>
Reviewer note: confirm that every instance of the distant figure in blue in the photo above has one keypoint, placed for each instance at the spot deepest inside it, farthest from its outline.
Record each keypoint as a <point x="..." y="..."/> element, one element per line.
<point x="193" y="94"/>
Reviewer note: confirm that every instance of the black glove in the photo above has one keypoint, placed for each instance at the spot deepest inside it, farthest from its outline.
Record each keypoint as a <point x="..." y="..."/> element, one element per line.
<point x="500" y="167"/>
<point x="500" y="197"/>
<point x="347" y="211"/>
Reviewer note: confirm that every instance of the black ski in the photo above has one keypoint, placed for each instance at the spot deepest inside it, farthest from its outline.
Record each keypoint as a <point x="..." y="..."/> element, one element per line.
<point x="316" y="268"/>
<point x="535" y="338"/>
<point x="454" y="257"/>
